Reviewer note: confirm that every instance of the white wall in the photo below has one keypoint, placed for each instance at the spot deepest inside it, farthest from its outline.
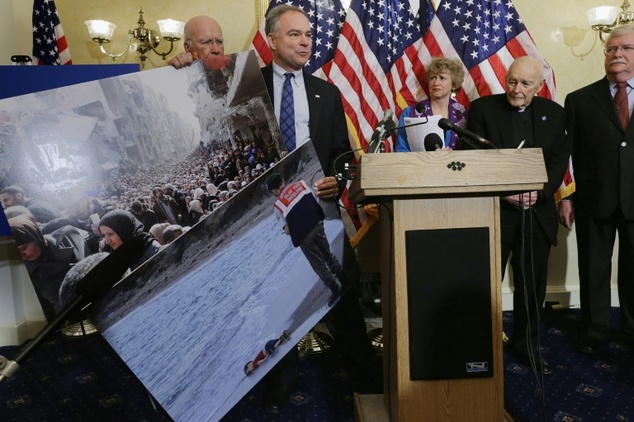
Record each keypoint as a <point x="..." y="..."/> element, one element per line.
<point x="7" y="32"/>
<point x="21" y="316"/>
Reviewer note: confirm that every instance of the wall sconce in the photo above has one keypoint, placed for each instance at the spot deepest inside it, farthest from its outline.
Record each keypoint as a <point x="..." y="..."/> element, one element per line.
<point x="573" y="37"/>
<point x="604" y="19"/>
<point x="140" y="39"/>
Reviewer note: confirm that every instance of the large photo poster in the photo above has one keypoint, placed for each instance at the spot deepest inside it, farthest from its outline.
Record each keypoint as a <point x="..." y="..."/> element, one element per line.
<point x="188" y="161"/>
<point x="72" y="154"/>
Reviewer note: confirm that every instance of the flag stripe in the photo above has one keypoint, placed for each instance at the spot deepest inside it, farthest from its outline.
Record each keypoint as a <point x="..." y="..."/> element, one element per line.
<point x="363" y="82"/>
<point x="261" y="48"/>
<point x="349" y="77"/>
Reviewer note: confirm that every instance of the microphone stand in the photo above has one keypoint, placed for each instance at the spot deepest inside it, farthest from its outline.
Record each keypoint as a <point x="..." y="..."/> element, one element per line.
<point x="391" y="131"/>
<point x="9" y="367"/>
<point x="373" y="146"/>
<point x="91" y="288"/>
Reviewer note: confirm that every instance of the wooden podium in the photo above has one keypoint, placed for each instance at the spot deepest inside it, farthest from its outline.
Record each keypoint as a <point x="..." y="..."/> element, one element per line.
<point x="440" y="250"/>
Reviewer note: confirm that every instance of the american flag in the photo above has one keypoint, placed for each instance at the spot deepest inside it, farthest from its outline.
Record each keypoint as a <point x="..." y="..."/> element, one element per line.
<point x="49" y="42"/>
<point x="568" y="185"/>
<point x="487" y="35"/>
<point x="377" y="64"/>
<point x="377" y="67"/>
<point x="382" y="47"/>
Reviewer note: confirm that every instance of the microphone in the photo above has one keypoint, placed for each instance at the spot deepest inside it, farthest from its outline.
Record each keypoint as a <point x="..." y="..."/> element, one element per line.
<point x="433" y="142"/>
<point x="384" y="127"/>
<point x="465" y="134"/>
<point x="421" y="109"/>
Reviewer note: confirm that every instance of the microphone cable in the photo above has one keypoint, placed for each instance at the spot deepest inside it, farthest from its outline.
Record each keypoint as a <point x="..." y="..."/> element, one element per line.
<point x="534" y="353"/>
<point x="389" y="132"/>
<point x="347" y="177"/>
<point x="341" y="176"/>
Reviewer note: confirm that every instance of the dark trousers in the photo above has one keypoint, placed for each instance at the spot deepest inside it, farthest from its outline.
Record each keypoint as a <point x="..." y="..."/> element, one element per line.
<point x="595" y="245"/>
<point x="524" y="240"/>
<point x="316" y="249"/>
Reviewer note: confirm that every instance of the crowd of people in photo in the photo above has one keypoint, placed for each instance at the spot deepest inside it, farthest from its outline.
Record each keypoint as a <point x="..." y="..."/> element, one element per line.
<point x="158" y="203"/>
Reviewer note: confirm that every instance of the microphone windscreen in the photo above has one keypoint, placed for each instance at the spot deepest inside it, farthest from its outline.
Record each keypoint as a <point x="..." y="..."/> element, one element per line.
<point x="433" y="142"/>
<point x="389" y="125"/>
<point x="445" y="124"/>
<point x="420" y="108"/>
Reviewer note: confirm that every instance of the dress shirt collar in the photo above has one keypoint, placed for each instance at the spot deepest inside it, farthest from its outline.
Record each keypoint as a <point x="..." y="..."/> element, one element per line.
<point x="278" y="73"/>
<point x="630" y="85"/>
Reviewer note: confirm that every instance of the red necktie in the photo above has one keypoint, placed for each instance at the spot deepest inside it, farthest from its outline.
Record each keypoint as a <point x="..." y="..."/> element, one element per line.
<point x="622" y="104"/>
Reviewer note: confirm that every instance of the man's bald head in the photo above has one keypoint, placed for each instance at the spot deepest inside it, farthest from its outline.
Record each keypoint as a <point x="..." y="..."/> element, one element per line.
<point x="203" y="36"/>
<point x="524" y="79"/>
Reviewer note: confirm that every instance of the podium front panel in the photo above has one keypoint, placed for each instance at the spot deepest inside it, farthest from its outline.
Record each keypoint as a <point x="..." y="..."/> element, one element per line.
<point x="449" y="303"/>
<point x="416" y="400"/>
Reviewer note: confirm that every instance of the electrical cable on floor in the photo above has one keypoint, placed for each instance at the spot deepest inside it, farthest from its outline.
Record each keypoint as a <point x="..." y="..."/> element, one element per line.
<point x="531" y="349"/>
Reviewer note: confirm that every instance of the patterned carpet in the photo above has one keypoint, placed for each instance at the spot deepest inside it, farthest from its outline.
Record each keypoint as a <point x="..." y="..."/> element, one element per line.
<point x="82" y="379"/>
<point x="581" y="388"/>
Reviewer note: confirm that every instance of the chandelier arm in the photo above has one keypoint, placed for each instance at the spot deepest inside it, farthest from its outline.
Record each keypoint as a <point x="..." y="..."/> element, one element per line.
<point x="164" y="55"/>
<point x="603" y="32"/>
<point x="141" y="40"/>
<point x="115" y="55"/>
<point x="582" y="55"/>
<point x="111" y="55"/>
<point x="624" y="17"/>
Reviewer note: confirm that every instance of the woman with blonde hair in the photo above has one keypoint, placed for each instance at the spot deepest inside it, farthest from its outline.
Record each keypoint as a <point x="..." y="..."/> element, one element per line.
<point x="443" y="78"/>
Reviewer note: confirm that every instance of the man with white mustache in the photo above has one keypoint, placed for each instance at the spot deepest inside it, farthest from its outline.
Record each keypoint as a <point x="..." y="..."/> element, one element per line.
<point x="597" y="121"/>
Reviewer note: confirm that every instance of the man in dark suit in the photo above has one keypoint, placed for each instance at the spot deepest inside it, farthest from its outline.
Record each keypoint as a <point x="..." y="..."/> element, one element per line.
<point x="320" y="119"/>
<point x="603" y="161"/>
<point x="528" y="220"/>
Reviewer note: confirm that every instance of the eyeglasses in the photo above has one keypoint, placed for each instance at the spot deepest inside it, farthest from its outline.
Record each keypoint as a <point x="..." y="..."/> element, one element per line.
<point x="207" y="42"/>
<point x="613" y="49"/>
<point x="219" y="41"/>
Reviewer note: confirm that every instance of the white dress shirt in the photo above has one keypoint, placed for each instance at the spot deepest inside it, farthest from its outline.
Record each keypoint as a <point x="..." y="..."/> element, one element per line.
<point x="300" y="102"/>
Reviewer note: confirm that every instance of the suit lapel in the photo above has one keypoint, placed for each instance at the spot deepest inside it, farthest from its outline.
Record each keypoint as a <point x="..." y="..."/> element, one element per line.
<point x="267" y="72"/>
<point x="603" y="98"/>
<point x="540" y="117"/>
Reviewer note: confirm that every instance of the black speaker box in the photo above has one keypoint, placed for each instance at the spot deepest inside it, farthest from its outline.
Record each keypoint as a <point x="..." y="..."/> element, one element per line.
<point x="449" y="303"/>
